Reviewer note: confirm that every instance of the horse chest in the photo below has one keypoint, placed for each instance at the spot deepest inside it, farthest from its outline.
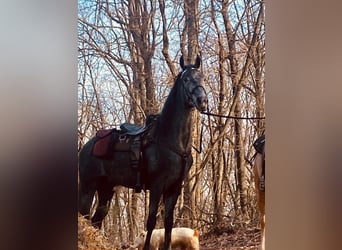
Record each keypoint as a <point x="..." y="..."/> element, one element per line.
<point x="170" y="168"/>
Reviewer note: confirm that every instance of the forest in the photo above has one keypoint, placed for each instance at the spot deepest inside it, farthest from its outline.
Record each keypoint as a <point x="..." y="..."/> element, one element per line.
<point x="128" y="59"/>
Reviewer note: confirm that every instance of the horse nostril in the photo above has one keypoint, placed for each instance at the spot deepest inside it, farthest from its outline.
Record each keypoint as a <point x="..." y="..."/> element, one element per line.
<point x="202" y="101"/>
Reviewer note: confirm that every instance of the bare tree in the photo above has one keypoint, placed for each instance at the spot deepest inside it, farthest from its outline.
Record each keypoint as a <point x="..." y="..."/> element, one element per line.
<point x="128" y="55"/>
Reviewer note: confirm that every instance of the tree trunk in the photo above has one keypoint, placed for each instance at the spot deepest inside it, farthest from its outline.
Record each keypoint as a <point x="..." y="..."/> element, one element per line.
<point x="191" y="31"/>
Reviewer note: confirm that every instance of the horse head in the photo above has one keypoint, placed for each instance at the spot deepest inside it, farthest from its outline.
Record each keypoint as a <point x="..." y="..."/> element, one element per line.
<point x="192" y="80"/>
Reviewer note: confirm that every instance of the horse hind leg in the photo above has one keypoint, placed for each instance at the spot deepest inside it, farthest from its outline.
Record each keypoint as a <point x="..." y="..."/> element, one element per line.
<point x="85" y="199"/>
<point x="105" y="194"/>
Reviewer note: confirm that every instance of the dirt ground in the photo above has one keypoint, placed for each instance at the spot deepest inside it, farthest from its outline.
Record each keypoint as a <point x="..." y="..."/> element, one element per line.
<point x="233" y="240"/>
<point x="91" y="239"/>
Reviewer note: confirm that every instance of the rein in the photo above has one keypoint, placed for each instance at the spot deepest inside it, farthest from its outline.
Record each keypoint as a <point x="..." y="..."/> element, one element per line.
<point x="233" y="117"/>
<point x="223" y="116"/>
<point x="183" y="154"/>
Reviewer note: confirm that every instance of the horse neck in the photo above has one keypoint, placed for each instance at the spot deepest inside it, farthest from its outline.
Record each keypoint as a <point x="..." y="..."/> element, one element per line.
<point x="175" y="122"/>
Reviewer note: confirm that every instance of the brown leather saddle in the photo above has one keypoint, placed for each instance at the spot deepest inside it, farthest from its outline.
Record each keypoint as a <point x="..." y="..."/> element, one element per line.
<point x="130" y="138"/>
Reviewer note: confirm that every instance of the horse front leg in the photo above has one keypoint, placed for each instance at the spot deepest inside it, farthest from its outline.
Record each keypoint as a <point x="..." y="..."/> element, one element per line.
<point x="170" y="203"/>
<point x="155" y="195"/>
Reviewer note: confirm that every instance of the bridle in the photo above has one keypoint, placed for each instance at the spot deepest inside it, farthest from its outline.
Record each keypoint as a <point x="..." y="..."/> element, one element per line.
<point x="188" y="93"/>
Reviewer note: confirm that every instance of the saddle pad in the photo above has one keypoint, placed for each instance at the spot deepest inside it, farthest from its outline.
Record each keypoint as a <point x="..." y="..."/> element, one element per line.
<point x="103" y="132"/>
<point x="101" y="144"/>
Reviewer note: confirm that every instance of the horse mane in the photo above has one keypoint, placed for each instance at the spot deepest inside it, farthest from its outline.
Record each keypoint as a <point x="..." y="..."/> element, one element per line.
<point x="172" y="91"/>
<point x="165" y="120"/>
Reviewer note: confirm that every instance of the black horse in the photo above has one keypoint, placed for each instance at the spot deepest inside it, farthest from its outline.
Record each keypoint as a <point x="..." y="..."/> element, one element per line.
<point x="166" y="159"/>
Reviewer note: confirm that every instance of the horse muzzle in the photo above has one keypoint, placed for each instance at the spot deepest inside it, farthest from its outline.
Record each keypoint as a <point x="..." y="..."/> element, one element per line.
<point x="201" y="103"/>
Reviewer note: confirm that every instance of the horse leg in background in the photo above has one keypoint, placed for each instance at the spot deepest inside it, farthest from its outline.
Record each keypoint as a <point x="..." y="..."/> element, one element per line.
<point x="170" y="203"/>
<point x="263" y="233"/>
<point x="155" y="195"/>
<point x="85" y="198"/>
<point x="105" y="193"/>
<point x="257" y="169"/>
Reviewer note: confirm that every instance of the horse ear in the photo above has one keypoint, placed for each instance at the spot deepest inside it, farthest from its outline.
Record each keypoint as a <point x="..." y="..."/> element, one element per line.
<point x="198" y="62"/>
<point x="181" y="61"/>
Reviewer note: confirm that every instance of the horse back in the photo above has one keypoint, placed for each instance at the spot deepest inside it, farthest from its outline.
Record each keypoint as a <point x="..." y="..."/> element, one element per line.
<point x="89" y="165"/>
<point x="113" y="160"/>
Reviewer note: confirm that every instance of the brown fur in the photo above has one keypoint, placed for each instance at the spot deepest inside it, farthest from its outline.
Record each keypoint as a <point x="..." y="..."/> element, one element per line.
<point x="181" y="237"/>
<point x="257" y="169"/>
